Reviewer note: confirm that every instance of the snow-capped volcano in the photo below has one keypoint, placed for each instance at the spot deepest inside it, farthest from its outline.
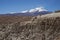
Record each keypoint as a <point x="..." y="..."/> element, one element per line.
<point x="39" y="9"/>
<point x="35" y="11"/>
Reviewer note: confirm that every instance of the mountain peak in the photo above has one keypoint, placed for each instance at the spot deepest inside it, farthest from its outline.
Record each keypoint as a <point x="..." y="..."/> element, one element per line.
<point x="39" y="9"/>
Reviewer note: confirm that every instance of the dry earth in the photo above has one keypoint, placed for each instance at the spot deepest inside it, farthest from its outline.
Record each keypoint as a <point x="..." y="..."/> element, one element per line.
<point x="45" y="27"/>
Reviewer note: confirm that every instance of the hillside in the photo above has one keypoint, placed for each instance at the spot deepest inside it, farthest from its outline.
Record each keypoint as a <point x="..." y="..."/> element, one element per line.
<point x="13" y="19"/>
<point x="45" y="27"/>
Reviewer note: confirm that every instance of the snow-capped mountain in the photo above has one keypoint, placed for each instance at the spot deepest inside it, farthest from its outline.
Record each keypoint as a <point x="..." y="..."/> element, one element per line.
<point x="35" y="12"/>
<point x="31" y="12"/>
<point x="39" y="9"/>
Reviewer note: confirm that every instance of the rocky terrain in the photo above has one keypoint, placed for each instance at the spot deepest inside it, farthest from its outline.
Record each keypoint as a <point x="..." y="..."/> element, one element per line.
<point x="13" y="19"/>
<point x="45" y="27"/>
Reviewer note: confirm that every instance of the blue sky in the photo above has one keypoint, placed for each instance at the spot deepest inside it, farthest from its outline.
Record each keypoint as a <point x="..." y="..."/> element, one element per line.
<point x="7" y="6"/>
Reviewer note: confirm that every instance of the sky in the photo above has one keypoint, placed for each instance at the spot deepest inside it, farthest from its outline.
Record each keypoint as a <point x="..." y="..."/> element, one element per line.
<point x="7" y="6"/>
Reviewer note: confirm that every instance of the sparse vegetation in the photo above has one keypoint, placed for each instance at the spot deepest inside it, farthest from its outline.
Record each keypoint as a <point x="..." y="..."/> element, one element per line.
<point x="39" y="29"/>
<point x="13" y="19"/>
<point x="57" y="11"/>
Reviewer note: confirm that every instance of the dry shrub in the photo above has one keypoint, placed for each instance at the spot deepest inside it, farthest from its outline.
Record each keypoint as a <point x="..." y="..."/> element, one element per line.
<point x="44" y="29"/>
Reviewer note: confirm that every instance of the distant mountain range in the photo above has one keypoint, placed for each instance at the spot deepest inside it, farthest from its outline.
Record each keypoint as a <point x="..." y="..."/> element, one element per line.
<point x="27" y="14"/>
<point x="31" y="12"/>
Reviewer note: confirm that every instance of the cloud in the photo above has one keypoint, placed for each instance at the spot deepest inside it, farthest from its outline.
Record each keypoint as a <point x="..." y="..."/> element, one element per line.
<point x="24" y="11"/>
